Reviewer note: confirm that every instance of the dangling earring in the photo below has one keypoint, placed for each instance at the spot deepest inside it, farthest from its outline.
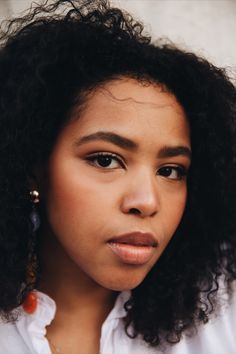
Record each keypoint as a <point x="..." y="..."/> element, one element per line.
<point x="34" y="216"/>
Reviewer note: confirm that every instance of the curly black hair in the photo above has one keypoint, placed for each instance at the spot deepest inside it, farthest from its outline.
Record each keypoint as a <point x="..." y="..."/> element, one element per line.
<point x="49" y="59"/>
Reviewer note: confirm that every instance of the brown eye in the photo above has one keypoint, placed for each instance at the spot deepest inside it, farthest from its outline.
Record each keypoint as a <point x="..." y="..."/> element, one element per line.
<point x="172" y="172"/>
<point x="103" y="160"/>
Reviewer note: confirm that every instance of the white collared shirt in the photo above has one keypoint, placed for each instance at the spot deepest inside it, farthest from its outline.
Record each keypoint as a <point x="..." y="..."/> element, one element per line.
<point x="27" y="335"/>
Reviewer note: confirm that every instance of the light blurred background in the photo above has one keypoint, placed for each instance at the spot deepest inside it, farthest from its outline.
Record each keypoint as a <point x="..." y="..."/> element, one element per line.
<point x="207" y="27"/>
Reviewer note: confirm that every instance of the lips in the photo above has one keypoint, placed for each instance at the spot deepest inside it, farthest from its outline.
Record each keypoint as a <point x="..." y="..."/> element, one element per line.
<point x="134" y="248"/>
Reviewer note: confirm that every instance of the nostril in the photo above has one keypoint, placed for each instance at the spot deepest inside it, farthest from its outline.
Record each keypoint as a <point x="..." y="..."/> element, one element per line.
<point x="134" y="211"/>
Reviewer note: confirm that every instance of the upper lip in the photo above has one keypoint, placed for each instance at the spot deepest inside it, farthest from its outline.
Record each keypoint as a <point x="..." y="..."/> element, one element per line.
<point x="136" y="238"/>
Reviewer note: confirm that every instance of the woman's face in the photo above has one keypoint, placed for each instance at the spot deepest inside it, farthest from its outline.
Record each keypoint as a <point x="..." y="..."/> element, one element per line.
<point x="116" y="182"/>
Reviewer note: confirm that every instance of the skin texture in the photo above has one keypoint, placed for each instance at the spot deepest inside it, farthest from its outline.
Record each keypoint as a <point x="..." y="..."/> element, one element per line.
<point x="87" y="205"/>
<point x="49" y="59"/>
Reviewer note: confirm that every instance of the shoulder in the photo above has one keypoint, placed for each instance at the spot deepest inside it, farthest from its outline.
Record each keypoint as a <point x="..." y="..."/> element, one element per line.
<point x="215" y="337"/>
<point x="11" y="341"/>
<point x="27" y="334"/>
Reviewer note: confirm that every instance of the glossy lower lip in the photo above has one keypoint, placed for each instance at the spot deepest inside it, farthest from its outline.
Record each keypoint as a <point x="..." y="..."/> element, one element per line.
<point x="131" y="254"/>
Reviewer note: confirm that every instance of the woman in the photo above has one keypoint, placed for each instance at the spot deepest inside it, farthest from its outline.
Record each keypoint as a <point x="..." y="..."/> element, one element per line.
<point x="117" y="189"/>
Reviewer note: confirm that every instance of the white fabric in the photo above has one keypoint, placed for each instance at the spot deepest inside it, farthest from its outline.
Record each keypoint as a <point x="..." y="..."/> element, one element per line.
<point x="27" y="335"/>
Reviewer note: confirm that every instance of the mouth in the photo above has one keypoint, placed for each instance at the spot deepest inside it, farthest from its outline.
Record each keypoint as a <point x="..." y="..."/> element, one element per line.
<point x="134" y="248"/>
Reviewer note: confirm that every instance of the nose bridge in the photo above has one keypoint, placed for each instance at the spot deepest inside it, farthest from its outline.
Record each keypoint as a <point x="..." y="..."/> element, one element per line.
<point x="141" y="194"/>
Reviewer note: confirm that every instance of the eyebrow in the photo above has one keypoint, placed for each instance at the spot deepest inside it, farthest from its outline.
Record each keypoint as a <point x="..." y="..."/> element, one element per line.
<point x="113" y="138"/>
<point x="172" y="151"/>
<point x="127" y="144"/>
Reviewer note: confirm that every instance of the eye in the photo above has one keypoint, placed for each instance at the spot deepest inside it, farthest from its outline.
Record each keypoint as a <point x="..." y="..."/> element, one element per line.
<point x="173" y="172"/>
<point x="105" y="160"/>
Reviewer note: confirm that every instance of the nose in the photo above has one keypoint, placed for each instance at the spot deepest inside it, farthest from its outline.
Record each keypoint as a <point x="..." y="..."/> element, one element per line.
<point x="141" y="196"/>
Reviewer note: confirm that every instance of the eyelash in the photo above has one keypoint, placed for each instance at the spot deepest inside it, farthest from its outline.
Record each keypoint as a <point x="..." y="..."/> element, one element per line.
<point x="180" y="170"/>
<point x="93" y="157"/>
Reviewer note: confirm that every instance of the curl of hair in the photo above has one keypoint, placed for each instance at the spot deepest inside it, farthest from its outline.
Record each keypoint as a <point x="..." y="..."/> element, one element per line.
<point x="49" y="59"/>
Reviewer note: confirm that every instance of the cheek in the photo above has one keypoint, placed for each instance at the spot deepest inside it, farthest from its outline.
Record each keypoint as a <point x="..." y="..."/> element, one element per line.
<point x="67" y="190"/>
<point x="75" y="202"/>
<point x="174" y="209"/>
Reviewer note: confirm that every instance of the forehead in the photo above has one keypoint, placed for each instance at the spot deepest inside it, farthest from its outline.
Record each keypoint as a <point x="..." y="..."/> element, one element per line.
<point x="137" y="110"/>
<point x="118" y="99"/>
<point x="127" y="92"/>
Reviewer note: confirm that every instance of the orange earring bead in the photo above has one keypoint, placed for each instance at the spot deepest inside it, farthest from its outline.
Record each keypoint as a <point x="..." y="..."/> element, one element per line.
<point x="30" y="303"/>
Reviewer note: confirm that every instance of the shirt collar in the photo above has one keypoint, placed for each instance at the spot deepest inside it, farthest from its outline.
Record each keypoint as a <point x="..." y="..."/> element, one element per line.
<point x="32" y="327"/>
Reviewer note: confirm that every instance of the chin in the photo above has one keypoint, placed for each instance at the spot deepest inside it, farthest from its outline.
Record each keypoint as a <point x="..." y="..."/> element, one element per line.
<point x="122" y="283"/>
